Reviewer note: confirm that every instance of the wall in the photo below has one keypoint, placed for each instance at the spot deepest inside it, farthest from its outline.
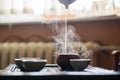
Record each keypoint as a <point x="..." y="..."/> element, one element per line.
<point x="104" y="30"/>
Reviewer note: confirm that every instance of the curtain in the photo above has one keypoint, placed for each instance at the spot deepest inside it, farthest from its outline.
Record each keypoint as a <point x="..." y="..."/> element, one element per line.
<point x="54" y="8"/>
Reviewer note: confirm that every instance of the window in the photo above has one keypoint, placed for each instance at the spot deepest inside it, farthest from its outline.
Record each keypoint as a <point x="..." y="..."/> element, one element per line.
<point x="53" y="9"/>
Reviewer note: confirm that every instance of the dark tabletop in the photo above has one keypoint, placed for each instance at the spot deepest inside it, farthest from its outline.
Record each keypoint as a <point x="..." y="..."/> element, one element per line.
<point x="54" y="73"/>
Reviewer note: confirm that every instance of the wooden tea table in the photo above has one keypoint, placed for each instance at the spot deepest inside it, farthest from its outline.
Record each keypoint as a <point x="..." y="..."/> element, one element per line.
<point x="54" y="73"/>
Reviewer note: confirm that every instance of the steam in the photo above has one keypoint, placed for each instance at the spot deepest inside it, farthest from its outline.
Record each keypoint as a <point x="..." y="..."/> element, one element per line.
<point x="72" y="42"/>
<point x="61" y="40"/>
<point x="66" y="35"/>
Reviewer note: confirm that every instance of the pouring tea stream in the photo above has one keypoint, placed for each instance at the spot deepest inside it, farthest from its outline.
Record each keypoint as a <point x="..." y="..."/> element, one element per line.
<point x="66" y="3"/>
<point x="63" y="59"/>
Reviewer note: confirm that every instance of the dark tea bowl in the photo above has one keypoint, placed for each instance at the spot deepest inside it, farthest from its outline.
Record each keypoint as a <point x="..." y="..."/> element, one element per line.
<point x="18" y="62"/>
<point x="63" y="60"/>
<point x="34" y="65"/>
<point x="30" y="64"/>
<point x="79" y="64"/>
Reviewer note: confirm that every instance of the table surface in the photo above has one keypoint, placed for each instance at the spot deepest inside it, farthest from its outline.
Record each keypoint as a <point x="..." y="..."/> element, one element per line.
<point x="54" y="73"/>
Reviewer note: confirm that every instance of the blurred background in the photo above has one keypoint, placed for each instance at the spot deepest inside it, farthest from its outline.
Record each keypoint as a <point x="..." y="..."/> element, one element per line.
<point x="94" y="20"/>
<point x="52" y="9"/>
<point x="97" y="22"/>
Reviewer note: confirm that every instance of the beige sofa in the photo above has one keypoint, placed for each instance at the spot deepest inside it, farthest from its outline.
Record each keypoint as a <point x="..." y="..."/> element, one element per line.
<point x="45" y="50"/>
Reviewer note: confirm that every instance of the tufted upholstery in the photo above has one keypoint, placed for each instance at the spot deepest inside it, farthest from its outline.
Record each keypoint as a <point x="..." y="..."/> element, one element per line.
<point x="9" y="51"/>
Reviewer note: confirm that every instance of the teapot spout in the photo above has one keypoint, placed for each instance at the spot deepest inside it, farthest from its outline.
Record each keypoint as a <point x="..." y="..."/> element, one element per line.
<point x="66" y="3"/>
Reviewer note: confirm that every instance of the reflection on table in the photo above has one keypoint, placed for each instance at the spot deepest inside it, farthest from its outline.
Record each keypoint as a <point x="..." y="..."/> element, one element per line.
<point x="53" y="72"/>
